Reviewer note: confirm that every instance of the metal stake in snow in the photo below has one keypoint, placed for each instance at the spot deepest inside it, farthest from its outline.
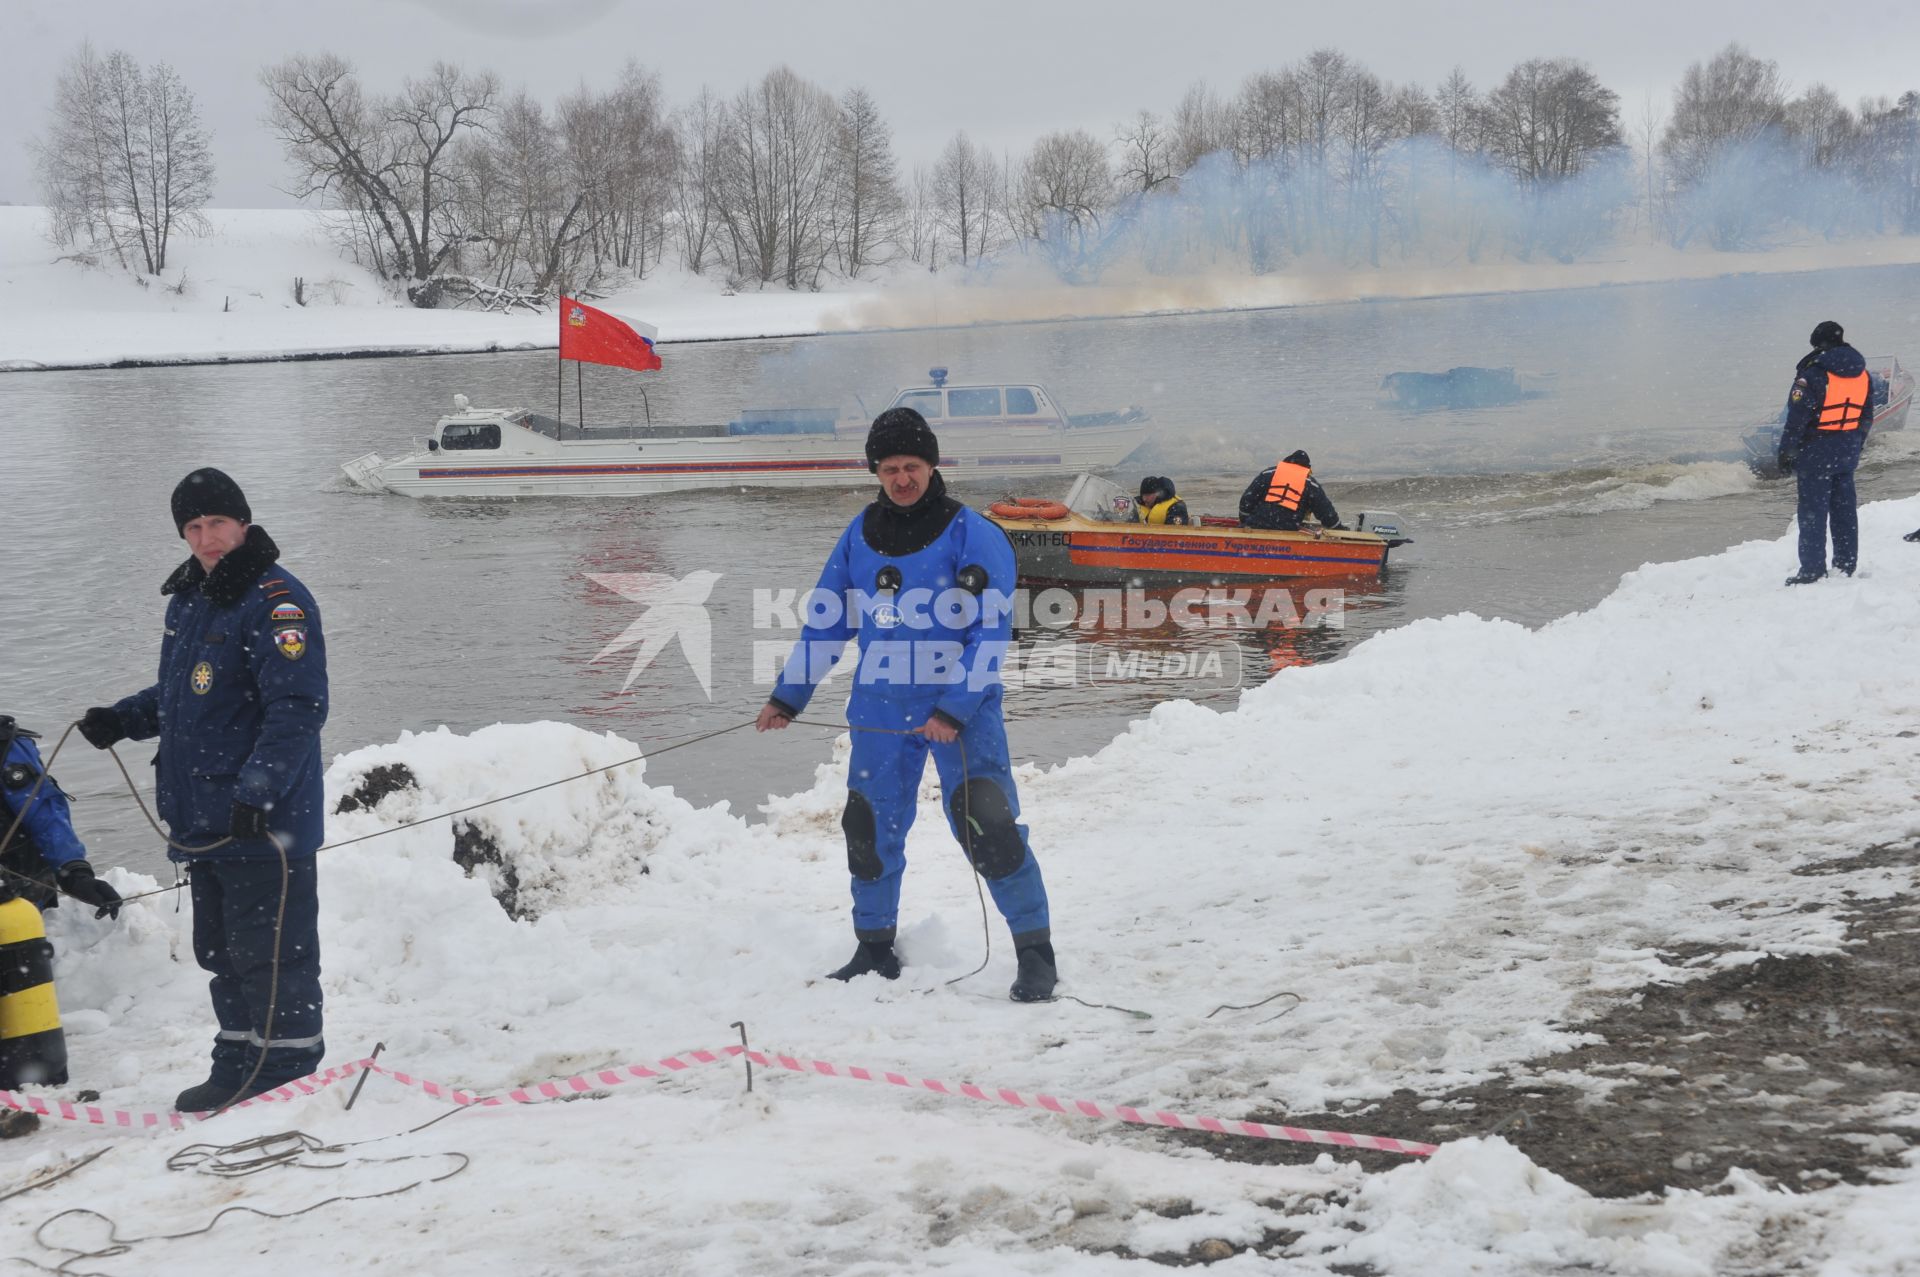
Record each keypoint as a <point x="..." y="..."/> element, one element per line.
<point x="746" y="1052"/>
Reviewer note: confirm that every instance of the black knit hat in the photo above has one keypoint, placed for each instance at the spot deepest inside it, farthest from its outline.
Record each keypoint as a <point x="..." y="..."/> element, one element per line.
<point x="1827" y="333"/>
<point x="1299" y="457"/>
<point x="208" y="491"/>
<point x="1153" y="483"/>
<point x="901" y="432"/>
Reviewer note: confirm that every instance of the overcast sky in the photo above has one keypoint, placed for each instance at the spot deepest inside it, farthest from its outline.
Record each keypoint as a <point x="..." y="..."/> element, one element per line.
<point x="1004" y="70"/>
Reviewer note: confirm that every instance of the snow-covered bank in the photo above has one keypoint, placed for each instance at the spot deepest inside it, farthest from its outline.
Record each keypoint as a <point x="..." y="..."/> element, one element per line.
<point x="1450" y="845"/>
<point x="229" y="296"/>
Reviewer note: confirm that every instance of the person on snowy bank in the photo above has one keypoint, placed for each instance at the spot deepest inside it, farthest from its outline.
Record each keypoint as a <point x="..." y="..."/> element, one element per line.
<point x="927" y="586"/>
<point x="44" y="856"/>
<point x="238" y="707"/>
<point x="1829" y="412"/>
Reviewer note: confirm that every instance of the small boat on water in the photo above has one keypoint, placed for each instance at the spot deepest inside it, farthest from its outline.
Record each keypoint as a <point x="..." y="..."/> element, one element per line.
<point x="987" y="431"/>
<point x="1091" y="538"/>
<point x="1762" y="443"/>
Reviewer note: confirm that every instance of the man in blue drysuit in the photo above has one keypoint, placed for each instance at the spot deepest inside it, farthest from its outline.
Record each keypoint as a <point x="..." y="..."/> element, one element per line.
<point x="927" y="585"/>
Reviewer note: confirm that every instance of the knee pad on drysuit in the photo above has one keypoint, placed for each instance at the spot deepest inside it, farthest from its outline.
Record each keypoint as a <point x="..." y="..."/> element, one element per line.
<point x="863" y="841"/>
<point x="984" y="818"/>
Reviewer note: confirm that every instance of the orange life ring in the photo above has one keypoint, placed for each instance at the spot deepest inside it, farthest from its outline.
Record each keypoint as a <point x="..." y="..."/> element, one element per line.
<point x="1029" y="508"/>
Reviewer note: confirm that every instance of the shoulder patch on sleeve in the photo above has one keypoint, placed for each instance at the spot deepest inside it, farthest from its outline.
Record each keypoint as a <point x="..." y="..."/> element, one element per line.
<point x="17" y="775"/>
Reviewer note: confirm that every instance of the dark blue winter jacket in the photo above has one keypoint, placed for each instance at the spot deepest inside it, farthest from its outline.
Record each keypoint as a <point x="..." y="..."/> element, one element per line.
<point x="1809" y="394"/>
<point x="239" y="703"/>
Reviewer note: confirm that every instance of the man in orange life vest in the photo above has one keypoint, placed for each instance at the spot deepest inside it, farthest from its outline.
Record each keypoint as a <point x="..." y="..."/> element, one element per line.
<point x="1829" y="412"/>
<point x="1280" y="495"/>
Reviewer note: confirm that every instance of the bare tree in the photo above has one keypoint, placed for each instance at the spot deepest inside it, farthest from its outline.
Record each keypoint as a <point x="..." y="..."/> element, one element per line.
<point x="1064" y="186"/>
<point x="125" y="162"/>
<point x="777" y="179"/>
<point x="1146" y="152"/>
<point x="1733" y="98"/>
<point x="1823" y="127"/>
<point x="1202" y="124"/>
<point x="963" y="182"/>
<point x="700" y="130"/>
<point x="393" y="161"/>
<point x="1551" y="118"/>
<point x="921" y="221"/>
<point x="1646" y="134"/>
<point x="622" y="155"/>
<point x="868" y="205"/>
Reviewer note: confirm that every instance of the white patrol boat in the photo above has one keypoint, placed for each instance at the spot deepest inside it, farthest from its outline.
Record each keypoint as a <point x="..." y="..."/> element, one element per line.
<point x="986" y="432"/>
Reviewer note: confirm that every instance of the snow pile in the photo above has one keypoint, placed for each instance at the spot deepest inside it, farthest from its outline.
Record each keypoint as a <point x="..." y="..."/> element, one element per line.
<point x="1449" y="845"/>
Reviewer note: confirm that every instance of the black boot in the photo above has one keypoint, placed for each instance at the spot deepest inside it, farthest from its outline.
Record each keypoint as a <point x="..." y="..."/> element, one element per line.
<point x="1806" y="578"/>
<point x="210" y="1096"/>
<point x="1912" y="536"/>
<point x="873" y="957"/>
<point x="1038" y="973"/>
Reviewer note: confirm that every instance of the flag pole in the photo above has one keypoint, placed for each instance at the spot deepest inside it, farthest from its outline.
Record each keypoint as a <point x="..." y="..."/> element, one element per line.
<point x="560" y="374"/>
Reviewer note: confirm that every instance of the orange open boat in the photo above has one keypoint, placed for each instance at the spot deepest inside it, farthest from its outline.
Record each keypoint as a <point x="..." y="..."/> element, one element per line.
<point x="1090" y="538"/>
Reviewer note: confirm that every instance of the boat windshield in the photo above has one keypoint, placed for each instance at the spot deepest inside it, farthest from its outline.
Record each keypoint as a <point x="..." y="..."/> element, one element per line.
<point x="1100" y="499"/>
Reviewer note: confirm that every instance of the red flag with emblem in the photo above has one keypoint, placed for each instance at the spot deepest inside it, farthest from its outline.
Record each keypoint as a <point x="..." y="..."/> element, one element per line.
<point x="602" y="337"/>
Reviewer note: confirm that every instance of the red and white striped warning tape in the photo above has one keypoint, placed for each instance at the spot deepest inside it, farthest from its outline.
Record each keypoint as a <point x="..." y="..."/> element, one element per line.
<point x="583" y="1083"/>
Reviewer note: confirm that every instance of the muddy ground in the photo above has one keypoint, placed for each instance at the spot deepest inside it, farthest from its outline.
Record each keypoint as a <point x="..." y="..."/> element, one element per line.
<point x="1778" y="1067"/>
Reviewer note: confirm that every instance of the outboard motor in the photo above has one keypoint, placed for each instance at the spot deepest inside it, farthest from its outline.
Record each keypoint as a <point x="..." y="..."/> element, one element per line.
<point x="1386" y="525"/>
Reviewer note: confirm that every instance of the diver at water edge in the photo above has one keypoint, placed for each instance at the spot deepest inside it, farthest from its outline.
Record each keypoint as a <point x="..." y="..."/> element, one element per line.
<point x="42" y="857"/>
<point x="238" y="706"/>
<point x="926" y="586"/>
<point x="1281" y="495"/>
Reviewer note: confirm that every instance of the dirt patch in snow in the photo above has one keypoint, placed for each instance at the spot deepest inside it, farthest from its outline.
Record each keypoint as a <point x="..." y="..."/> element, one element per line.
<point x="1782" y="1067"/>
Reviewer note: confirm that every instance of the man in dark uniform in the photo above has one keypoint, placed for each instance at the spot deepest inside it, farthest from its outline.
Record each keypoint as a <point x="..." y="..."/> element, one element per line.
<point x="927" y="585"/>
<point x="238" y="706"/>
<point x="1158" y="503"/>
<point x="1829" y="412"/>
<point x="43" y="856"/>
<point x="1281" y="495"/>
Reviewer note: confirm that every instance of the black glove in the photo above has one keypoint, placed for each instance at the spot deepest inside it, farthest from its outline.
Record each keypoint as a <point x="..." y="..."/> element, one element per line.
<point x="248" y="822"/>
<point x="101" y="727"/>
<point x="77" y="880"/>
<point x="1786" y="460"/>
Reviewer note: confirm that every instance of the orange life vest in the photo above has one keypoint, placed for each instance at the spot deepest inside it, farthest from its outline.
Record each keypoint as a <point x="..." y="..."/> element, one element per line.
<point x="1289" y="485"/>
<point x="1845" y="404"/>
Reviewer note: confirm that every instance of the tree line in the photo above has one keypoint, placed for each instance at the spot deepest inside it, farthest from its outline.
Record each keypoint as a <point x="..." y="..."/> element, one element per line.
<point x="460" y="192"/>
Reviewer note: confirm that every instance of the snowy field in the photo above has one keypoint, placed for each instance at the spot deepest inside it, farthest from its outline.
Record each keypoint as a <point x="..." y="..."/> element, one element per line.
<point x="229" y="295"/>
<point x="1452" y="845"/>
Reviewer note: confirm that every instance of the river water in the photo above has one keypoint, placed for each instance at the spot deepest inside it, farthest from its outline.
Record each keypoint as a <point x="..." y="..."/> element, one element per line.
<point x="466" y="613"/>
